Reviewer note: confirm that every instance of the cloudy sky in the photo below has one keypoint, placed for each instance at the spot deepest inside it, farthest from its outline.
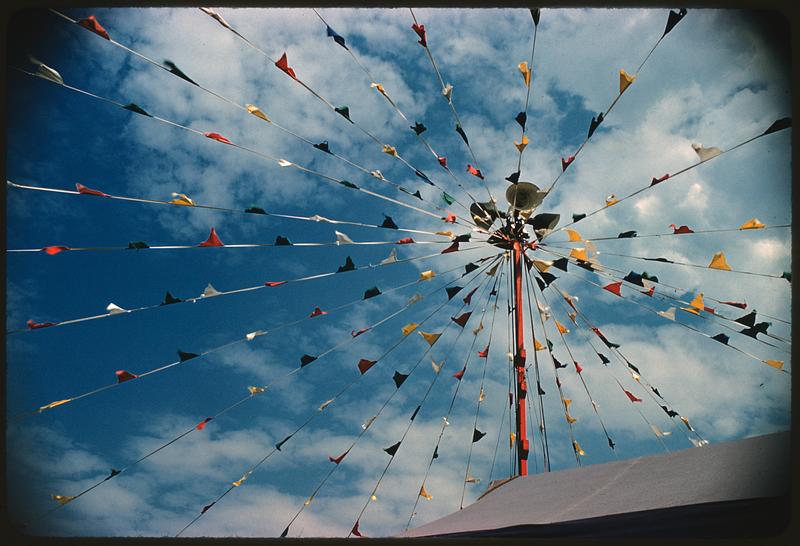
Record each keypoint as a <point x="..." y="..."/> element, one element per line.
<point x="719" y="78"/>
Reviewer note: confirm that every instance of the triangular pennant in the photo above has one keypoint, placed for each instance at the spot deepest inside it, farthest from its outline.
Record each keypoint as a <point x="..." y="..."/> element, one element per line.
<point x="655" y="180"/>
<point x="673" y="19"/>
<point x="323" y="146"/>
<point x="424" y="494"/>
<point x="436" y="367"/>
<point x="218" y="137"/>
<point x="53" y="250"/>
<point x="420" y="30"/>
<point x="614" y="288"/>
<point x="392" y="449"/>
<point x="631" y="396"/>
<point x="371" y="292"/>
<point x="305" y="360"/>
<point x="462" y="319"/>
<point x="748" y="319"/>
<point x="181" y="199"/>
<point x="566" y="162"/>
<point x="253" y="390"/>
<point x="595" y="123"/>
<point x="336" y="37"/>
<point x="477" y="435"/>
<point x="202" y="424"/>
<point x="172" y="67"/>
<point x="399" y="378"/>
<point x="774" y="363"/>
<point x="452" y="291"/>
<point x="526" y="72"/>
<point x="184" y="356"/>
<point x="431" y="338"/>
<point x="256" y="111"/>
<point x="468" y="297"/>
<point x="344" y="111"/>
<point x="255" y="210"/>
<point x="718" y="262"/>
<point x="522" y="119"/>
<point x="461" y="132"/>
<point x="388" y="223"/>
<point x="783" y="123"/>
<point x="317" y="312"/>
<point x="356" y="333"/>
<point x="348" y="266"/>
<point x="89" y="191"/>
<point x="625" y="80"/>
<point x="460" y="374"/>
<point x="355" y="532"/>
<point x="62" y="499"/>
<point x="418" y="128"/>
<point x="752" y="224"/>
<point x="283" y="64"/>
<point x="722" y="338"/>
<point x="170" y="299"/>
<point x="212" y="240"/>
<point x="114" y="309"/>
<point x="123" y="376"/>
<point x="473" y="171"/>
<point x="484" y="353"/>
<point x="705" y="153"/>
<point x="451" y="248"/>
<point x="91" y="23"/>
<point x="447" y="92"/>
<point x="365" y="364"/>
<point x="668" y="314"/>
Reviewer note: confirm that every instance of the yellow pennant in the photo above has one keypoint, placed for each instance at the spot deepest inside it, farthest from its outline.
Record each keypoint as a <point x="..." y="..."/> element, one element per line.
<point x="573" y="235"/>
<point x="752" y="224"/>
<point x="561" y="328"/>
<point x="511" y="438"/>
<point x="537" y="346"/>
<point x="775" y="363"/>
<point x="697" y="302"/>
<point x="625" y="80"/>
<point x="521" y="145"/>
<point x="493" y="270"/>
<point x="686" y="422"/>
<point x="526" y="72"/>
<point x="54" y="404"/>
<point x="62" y="499"/>
<point x="445" y="233"/>
<point x="389" y="150"/>
<point x="253" y="109"/>
<point x="577" y="447"/>
<point x="427" y="275"/>
<point x="425" y="494"/>
<point x="567" y="402"/>
<point x="579" y="254"/>
<point x="477" y="329"/>
<point x="472" y="479"/>
<point x="410" y="327"/>
<point x="611" y="200"/>
<point x="430" y="338"/>
<point x="719" y="262"/>
<point x="181" y="199"/>
<point x="572" y="316"/>
<point x="481" y="396"/>
<point x="241" y="480"/>
<point x="570" y="418"/>
<point x="379" y="87"/>
<point x="255" y="390"/>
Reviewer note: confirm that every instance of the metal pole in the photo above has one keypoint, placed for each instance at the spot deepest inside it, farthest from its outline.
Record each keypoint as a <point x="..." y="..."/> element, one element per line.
<point x="519" y="363"/>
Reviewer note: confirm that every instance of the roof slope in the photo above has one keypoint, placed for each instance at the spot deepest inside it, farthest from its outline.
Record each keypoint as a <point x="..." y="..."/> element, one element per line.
<point x="691" y="483"/>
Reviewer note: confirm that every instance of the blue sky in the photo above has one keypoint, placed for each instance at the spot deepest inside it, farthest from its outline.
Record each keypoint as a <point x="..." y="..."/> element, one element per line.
<point x="715" y="79"/>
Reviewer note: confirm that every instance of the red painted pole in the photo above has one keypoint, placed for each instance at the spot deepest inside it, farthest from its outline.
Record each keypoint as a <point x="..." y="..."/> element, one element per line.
<point x="519" y="363"/>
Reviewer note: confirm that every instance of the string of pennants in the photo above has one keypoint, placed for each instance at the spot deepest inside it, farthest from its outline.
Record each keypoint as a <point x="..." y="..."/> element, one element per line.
<point x="53" y="76"/>
<point x="417" y="128"/>
<point x="670" y="316"/>
<point x="124" y="376"/>
<point x="447" y="93"/>
<point x="625" y="81"/>
<point x="704" y="155"/>
<point x="210" y="292"/>
<point x="752" y="224"/>
<point x="282" y="64"/>
<point x="364" y="365"/>
<point x="182" y="200"/>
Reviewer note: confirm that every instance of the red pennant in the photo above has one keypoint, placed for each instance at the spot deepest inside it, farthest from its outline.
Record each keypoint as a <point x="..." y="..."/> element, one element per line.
<point x="212" y="240"/>
<point x="420" y="30"/>
<point x="459" y="375"/>
<point x="275" y="283"/>
<point x="566" y="162"/>
<point x="123" y="376"/>
<point x="218" y="137"/>
<point x="709" y="310"/>
<point x="406" y="241"/>
<point x="355" y="333"/>
<point x="614" y="288"/>
<point x="442" y="161"/>
<point x="451" y="248"/>
<point x="317" y="312"/>
<point x="739" y="304"/>
<point x="649" y="292"/>
<point x="632" y="397"/>
<point x="364" y="365"/>
<point x="468" y="297"/>
<point x="472" y="170"/>
<point x="678" y="230"/>
<point x="202" y="424"/>
<point x="659" y="180"/>
<point x="283" y="64"/>
<point x="484" y="353"/>
<point x="36" y="325"/>
<point x="338" y="459"/>
<point x="578" y="367"/>
<point x="462" y="319"/>
<point x="451" y="218"/>
<point x="355" y="531"/>
<point x="89" y="191"/>
<point x="90" y="23"/>
<point x="53" y="250"/>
